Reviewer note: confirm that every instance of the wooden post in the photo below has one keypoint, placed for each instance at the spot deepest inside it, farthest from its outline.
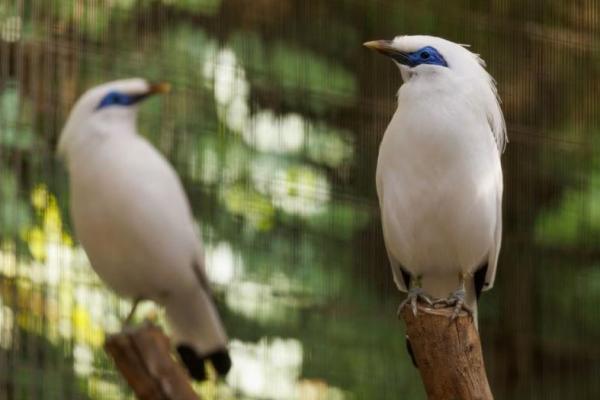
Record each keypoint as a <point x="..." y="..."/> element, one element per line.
<point x="448" y="354"/>
<point x="143" y="356"/>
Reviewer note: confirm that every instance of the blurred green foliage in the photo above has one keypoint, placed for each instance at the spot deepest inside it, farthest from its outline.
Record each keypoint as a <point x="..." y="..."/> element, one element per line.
<point x="274" y="124"/>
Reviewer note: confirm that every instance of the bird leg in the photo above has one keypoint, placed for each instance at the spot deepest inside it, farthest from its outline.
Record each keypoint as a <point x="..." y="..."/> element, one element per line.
<point x="415" y="293"/>
<point x="127" y="321"/>
<point x="456" y="299"/>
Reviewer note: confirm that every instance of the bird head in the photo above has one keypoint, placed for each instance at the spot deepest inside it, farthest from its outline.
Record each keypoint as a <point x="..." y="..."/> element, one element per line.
<point x="427" y="56"/>
<point x="110" y="106"/>
<point x="432" y="64"/>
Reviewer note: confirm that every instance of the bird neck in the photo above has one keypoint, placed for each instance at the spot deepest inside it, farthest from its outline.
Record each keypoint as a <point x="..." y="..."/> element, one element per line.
<point x="87" y="139"/>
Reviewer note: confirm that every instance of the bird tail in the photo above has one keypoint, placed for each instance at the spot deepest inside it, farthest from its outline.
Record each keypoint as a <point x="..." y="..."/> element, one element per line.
<point x="197" y="331"/>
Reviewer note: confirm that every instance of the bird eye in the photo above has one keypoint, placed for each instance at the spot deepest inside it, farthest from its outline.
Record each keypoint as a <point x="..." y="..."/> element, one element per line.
<point x="424" y="55"/>
<point x="118" y="99"/>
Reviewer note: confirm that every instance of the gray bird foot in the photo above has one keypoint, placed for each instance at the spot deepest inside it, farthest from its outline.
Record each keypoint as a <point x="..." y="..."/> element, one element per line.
<point x="456" y="299"/>
<point x="127" y="322"/>
<point x="412" y="297"/>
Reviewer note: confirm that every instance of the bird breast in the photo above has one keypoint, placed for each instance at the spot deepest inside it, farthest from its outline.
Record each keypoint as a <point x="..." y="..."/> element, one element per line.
<point x="132" y="217"/>
<point x="437" y="181"/>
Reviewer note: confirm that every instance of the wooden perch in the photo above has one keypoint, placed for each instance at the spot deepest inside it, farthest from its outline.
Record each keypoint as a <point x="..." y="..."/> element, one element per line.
<point x="143" y="356"/>
<point x="448" y="354"/>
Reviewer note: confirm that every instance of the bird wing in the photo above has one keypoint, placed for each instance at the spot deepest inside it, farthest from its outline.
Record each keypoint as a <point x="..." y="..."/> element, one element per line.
<point x="490" y="275"/>
<point x="134" y="198"/>
<point x="401" y="277"/>
<point x="148" y="234"/>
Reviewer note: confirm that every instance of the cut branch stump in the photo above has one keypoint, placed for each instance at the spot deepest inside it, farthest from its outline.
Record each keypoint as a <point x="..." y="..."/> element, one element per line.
<point x="448" y="354"/>
<point x="143" y="356"/>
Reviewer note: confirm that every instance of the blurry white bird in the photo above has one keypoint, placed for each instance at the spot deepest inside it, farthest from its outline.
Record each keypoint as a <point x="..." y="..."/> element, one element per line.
<point x="134" y="221"/>
<point x="439" y="178"/>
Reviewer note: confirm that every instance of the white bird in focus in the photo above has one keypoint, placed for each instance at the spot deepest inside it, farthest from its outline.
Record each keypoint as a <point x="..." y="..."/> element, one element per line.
<point x="134" y="221"/>
<point x="439" y="178"/>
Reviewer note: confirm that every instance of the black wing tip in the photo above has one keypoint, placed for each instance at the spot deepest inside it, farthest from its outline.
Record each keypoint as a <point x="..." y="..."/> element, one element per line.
<point x="479" y="280"/>
<point x="195" y="364"/>
<point x="406" y="276"/>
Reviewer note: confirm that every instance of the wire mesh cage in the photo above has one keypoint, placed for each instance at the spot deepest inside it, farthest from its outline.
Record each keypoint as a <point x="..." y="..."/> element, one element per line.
<point x="273" y="125"/>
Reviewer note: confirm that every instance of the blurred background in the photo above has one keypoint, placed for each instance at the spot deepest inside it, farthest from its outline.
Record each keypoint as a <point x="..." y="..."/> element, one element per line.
<point x="274" y="125"/>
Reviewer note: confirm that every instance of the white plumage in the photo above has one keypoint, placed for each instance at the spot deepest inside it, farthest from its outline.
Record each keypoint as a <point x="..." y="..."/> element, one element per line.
<point x="439" y="178"/>
<point x="133" y="219"/>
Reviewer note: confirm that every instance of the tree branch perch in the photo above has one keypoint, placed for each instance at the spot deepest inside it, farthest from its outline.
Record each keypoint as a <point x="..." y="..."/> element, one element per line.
<point x="143" y="356"/>
<point x="448" y="354"/>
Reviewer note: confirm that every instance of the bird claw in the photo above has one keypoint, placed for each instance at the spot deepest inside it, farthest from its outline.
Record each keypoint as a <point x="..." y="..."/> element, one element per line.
<point x="456" y="299"/>
<point x="127" y="321"/>
<point x="412" y="298"/>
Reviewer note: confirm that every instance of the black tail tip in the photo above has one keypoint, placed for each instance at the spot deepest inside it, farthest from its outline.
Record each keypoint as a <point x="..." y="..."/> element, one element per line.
<point x="221" y="361"/>
<point x="195" y="364"/>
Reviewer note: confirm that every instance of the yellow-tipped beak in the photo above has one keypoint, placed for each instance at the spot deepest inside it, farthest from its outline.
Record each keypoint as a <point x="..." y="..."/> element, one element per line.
<point x="159" y="88"/>
<point x="378" y="45"/>
<point x="386" y="48"/>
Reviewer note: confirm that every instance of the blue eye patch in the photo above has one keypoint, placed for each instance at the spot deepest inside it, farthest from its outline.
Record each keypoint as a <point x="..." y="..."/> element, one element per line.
<point x="119" y="99"/>
<point x="426" y="55"/>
